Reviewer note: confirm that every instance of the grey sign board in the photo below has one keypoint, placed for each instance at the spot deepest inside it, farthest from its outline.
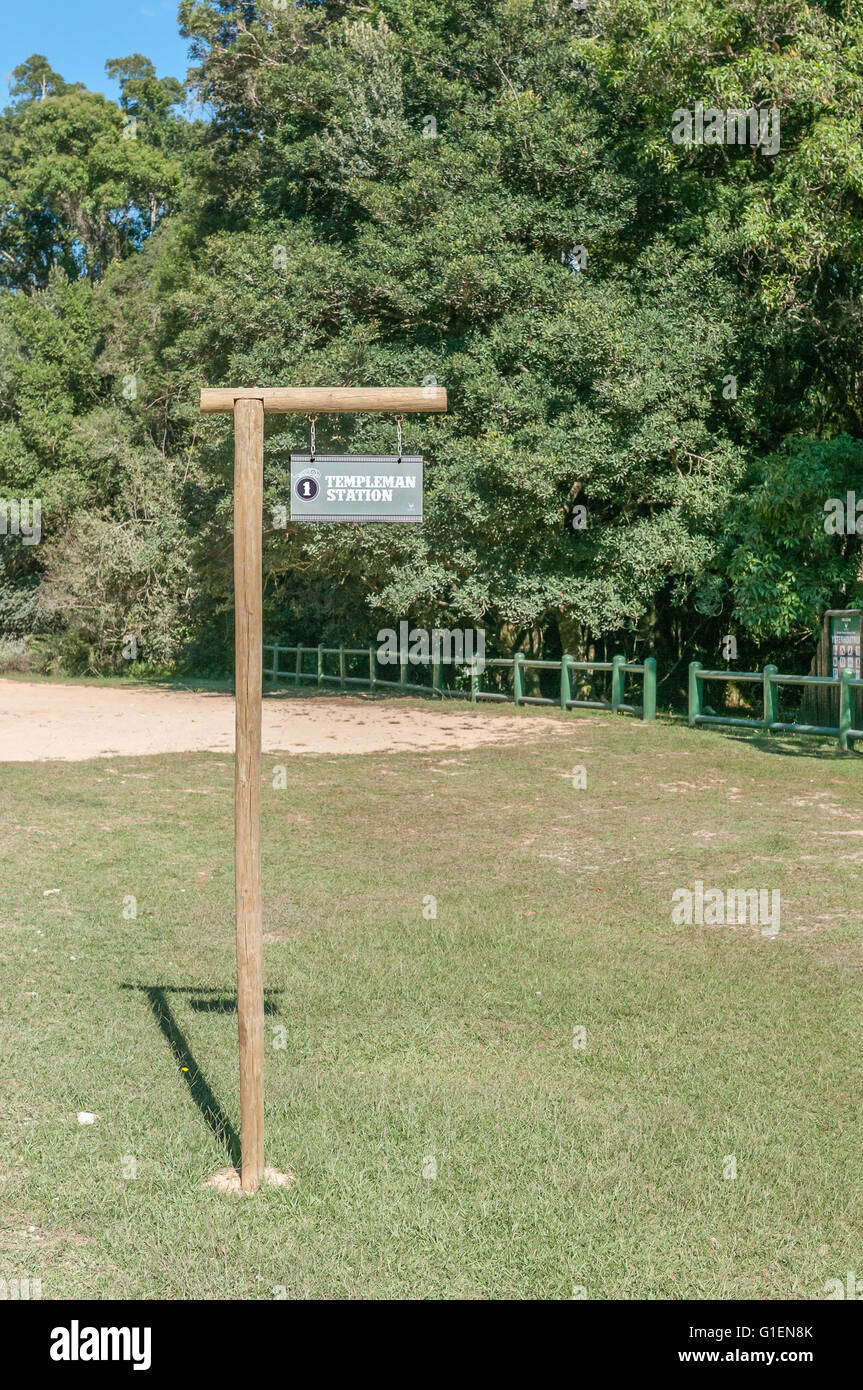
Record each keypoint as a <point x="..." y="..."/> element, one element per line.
<point x="356" y="487"/>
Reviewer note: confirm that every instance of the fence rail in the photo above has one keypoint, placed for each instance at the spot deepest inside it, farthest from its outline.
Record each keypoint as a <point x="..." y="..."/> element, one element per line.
<point x="619" y="668"/>
<point x="770" y="680"/>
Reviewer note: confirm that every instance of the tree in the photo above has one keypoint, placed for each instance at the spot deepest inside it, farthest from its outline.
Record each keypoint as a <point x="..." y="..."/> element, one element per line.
<point x="35" y="79"/>
<point x="79" y="187"/>
<point x="488" y="195"/>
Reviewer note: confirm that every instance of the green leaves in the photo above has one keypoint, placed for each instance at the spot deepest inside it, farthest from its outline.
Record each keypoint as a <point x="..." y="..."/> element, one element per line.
<point x="486" y="195"/>
<point x="80" y="184"/>
<point x="786" y="568"/>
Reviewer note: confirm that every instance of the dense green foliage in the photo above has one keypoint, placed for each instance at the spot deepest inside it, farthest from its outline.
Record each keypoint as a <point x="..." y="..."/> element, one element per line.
<point x="485" y="194"/>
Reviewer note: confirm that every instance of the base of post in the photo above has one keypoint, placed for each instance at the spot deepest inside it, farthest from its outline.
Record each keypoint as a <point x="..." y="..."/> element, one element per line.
<point x="229" y="1180"/>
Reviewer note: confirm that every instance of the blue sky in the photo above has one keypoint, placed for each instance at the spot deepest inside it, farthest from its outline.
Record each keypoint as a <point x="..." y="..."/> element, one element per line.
<point x="77" y="38"/>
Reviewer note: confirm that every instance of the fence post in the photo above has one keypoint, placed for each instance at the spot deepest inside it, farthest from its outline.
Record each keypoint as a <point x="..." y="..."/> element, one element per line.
<point x="320" y="663"/>
<point x="435" y="674"/>
<point x="298" y="670"/>
<point x="618" y="675"/>
<point x="403" y="668"/>
<point x="846" y="706"/>
<point x="518" y="678"/>
<point x="648" y="702"/>
<point x="341" y="667"/>
<point x="694" y="693"/>
<point x="771" y="697"/>
<point x="373" y="675"/>
<point x="565" y="682"/>
<point x="275" y="675"/>
<point x="474" y="681"/>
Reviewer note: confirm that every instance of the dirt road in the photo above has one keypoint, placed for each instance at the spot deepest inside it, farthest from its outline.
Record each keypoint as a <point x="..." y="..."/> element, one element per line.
<point x="42" y="720"/>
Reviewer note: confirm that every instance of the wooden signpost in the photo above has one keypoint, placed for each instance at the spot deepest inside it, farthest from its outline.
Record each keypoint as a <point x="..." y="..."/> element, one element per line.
<point x="248" y="406"/>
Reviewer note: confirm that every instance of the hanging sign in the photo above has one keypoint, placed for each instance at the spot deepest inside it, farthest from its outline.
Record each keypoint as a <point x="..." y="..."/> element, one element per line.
<point x="356" y="487"/>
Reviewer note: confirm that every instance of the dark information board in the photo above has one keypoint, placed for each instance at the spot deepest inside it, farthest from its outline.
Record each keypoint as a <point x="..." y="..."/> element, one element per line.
<point x="845" y="643"/>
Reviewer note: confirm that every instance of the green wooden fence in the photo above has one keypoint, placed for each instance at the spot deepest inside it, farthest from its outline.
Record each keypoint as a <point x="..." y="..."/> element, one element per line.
<point x="770" y="680"/>
<point x="296" y="669"/>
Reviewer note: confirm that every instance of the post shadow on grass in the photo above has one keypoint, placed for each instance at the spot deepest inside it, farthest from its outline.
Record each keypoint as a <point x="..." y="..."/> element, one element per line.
<point x="818" y="748"/>
<point x="204" y="1001"/>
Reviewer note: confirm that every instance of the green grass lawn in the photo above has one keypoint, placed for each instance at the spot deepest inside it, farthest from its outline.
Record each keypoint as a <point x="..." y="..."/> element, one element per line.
<point x="409" y="1039"/>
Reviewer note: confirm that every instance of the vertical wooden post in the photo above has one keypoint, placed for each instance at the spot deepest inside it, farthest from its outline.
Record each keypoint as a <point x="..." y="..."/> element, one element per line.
<point x="648" y="703"/>
<point x="248" y="506"/>
<point x="618" y="676"/>
<point x="846" y="706"/>
<point x="771" y="697"/>
<point x="518" y="678"/>
<point x="695" y="694"/>
<point x="565" y="681"/>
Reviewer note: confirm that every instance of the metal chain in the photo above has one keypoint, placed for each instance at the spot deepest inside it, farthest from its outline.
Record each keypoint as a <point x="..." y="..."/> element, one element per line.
<point x="398" y="420"/>
<point x="311" y="419"/>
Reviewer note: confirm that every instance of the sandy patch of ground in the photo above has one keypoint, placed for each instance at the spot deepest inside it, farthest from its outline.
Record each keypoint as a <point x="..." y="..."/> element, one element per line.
<point x="228" y="1180"/>
<point x="73" y="722"/>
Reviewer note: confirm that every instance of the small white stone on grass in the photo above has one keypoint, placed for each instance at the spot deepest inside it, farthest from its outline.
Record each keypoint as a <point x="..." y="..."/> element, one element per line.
<point x="85" y="1118"/>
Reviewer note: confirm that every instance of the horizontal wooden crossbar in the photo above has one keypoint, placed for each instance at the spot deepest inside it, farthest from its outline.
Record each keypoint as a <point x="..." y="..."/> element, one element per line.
<point x="326" y="400"/>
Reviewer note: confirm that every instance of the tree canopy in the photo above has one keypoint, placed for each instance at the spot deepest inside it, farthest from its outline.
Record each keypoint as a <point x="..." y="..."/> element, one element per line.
<point x="486" y="195"/>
